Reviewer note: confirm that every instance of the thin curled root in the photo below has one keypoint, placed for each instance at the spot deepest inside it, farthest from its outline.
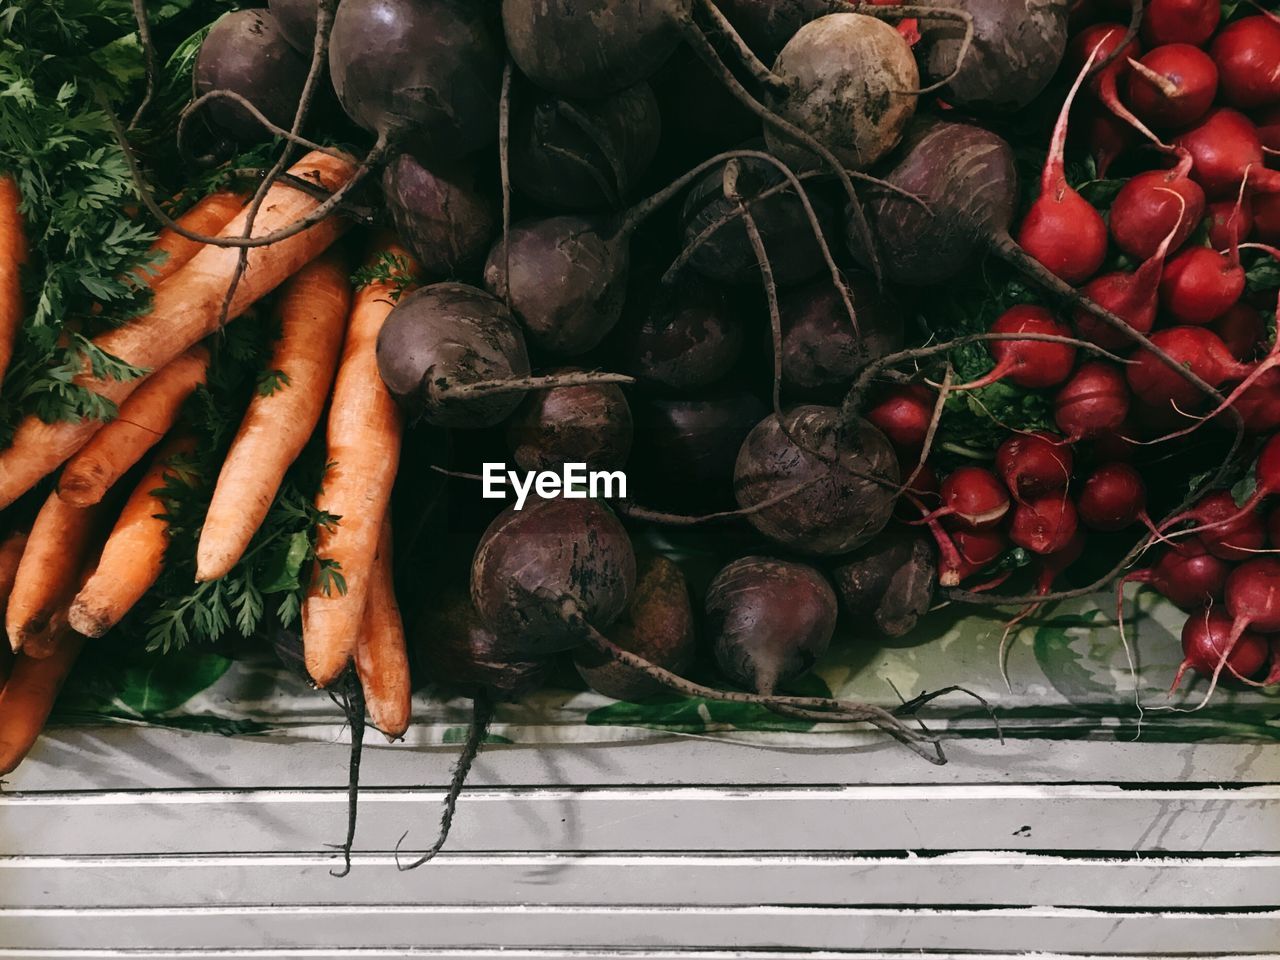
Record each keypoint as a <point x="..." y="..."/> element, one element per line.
<point x="353" y="706"/>
<point x="482" y="708"/>
<point x="289" y="136"/>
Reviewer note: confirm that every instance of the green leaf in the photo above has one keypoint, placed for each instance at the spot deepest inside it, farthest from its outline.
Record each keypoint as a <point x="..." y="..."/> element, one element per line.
<point x="283" y="570"/>
<point x="160" y="684"/>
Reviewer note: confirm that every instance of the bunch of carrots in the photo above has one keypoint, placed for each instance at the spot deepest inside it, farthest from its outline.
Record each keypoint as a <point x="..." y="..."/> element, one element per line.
<point x="95" y="549"/>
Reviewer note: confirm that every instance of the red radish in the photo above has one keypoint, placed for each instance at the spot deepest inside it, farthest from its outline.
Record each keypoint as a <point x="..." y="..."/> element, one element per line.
<point x="1183" y="576"/>
<point x="1045" y="525"/>
<point x="1247" y="53"/>
<point x="1062" y="230"/>
<point x="1268" y="123"/>
<point x="1180" y="21"/>
<point x="1112" y="498"/>
<point x="1223" y="147"/>
<point x="1134" y="297"/>
<point x="1230" y="221"/>
<point x="903" y="415"/>
<point x="973" y="498"/>
<point x="1108" y="136"/>
<point x="1266" y="483"/>
<point x="1028" y="363"/>
<point x="1104" y="40"/>
<point x="1259" y="403"/>
<point x="1094" y="402"/>
<point x="1206" y="643"/>
<point x="1198" y="349"/>
<point x="1114" y="445"/>
<point x="1273" y="528"/>
<point x="974" y="551"/>
<point x="1200" y="285"/>
<point x="1172" y="86"/>
<point x="1034" y="464"/>
<point x="1240" y="536"/>
<point x="1154" y="203"/>
<point x="1242" y="330"/>
<point x="1266" y="218"/>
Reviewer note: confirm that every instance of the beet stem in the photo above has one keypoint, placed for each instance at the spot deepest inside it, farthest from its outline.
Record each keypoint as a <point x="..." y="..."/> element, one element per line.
<point x="489" y="388"/>
<point x="602" y="143"/>
<point x="149" y="58"/>
<point x="759" y="71"/>
<point x="504" y="171"/>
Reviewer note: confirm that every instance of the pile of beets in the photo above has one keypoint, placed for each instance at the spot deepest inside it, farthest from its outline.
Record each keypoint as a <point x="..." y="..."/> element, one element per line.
<point x="754" y="212"/>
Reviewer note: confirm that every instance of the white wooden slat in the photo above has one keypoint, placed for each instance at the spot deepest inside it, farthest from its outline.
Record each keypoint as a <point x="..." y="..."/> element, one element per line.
<point x="507" y="953"/>
<point x="635" y="819"/>
<point x="1063" y="930"/>
<point x="1007" y="879"/>
<point x="131" y="758"/>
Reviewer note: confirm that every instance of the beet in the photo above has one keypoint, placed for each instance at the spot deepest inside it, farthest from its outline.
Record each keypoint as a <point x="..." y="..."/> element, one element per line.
<point x="245" y="52"/>
<point x="767" y="25"/>
<point x="1016" y="49"/>
<point x="657" y="625"/>
<point x="296" y="20"/>
<point x="848" y="80"/>
<point x="441" y="213"/>
<point x="529" y="560"/>
<point x="584" y="156"/>
<point x="821" y="348"/>
<point x="418" y="72"/>
<point x="681" y="339"/>
<point x="889" y="581"/>
<point x="769" y="621"/>
<point x="588" y="424"/>
<point x="844" y="492"/>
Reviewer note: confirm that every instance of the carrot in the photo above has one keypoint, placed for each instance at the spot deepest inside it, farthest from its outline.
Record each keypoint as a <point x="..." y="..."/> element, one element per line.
<point x="382" y="662"/>
<point x="10" y="554"/>
<point x="47" y="576"/>
<point x="184" y="310"/>
<point x="13" y="255"/>
<point x="363" y="438"/>
<point x="27" y="699"/>
<point x="207" y="216"/>
<point x="133" y="556"/>
<point x="313" y="317"/>
<point x="144" y="418"/>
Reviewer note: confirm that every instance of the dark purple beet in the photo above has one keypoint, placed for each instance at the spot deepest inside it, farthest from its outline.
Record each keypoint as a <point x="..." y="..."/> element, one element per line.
<point x="657" y="625"/>
<point x="297" y="22"/>
<point x="441" y="214"/>
<point x="557" y="161"/>
<point x="685" y="448"/>
<point x="449" y="334"/>
<point x="727" y="255"/>
<point x="889" y="581"/>
<point x="592" y="48"/>
<point x="821" y="350"/>
<point x="588" y="424"/>
<point x="767" y="25"/>
<point x="1017" y="47"/>
<point x="425" y="73"/>
<point x="245" y="52"/>
<point x="569" y="280"/>
<point x="455" y="649"/>
<point x="769" y="621"/>
<point x="967" y="178"/>
<point x="529" y="560"/>
<point x="680" y="339"/>
<point x="837" y="503"/>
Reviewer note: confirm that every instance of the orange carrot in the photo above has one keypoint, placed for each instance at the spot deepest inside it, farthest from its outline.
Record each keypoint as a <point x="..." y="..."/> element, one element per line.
<point x="27" y="699"/>
<point x="60" y="540"/>
<point x="382" y="662"/>
<point x="313" y="317"/>
<point x="208" y="216"/>
<point x="144" y="418"/>
<point x="363" y="437"/>
<point x="10" y="554"/>
<point x="133" y="556"/>
<point x="184" y="310"/>
<point x="13" y="255"/>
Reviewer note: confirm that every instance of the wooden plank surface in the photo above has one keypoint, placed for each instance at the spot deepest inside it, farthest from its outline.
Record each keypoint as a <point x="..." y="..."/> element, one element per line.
<point x="957" y="879"/>
<point x="1054" y="817"/>
<point x="562" y="953"/>
<point x="796" y="928"/>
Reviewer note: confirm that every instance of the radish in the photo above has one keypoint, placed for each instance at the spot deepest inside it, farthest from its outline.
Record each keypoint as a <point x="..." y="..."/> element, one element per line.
<point x="1052" y="565"/>
<point x="1034" y="464"/>
<point x="1101" y="41"/>
<point x="1180" y="21"/>
<point x="1187" y="577"/>
<point x="1252" y="594"/>
<point x="1062" y="230"/>
<point x="1172" y="86"/>
<point x="1199" y="350"/>
<point x="1028" y="363"/>
<point x="1113" y="497"/>
<point x="1259" y="403"/>
<point x="1231" y="221"/>
<point x="1207" y="643"/>
<point x="1242" y="330"/>
<point x="973" y="498"/>
<point x="1224" y="530"/>
<point x="1224" y="147"/>
<point x="974" y="551"/>
<point x="1266" y="483"/>
<point x="1044" y="526"/>
<point x="1247" y="53"/>
<point x="1108" y="136"/>
<point x="1268" y="123"/>
<point x="1200" y="285"/>
<point x="1153" y="204"/>
<point x="1134" y="297"/>
<point x="1093" y="403"/>
<point x="769" y="621"/>
<point x="1266" y="218"/>
<point x="903" y="414"/>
